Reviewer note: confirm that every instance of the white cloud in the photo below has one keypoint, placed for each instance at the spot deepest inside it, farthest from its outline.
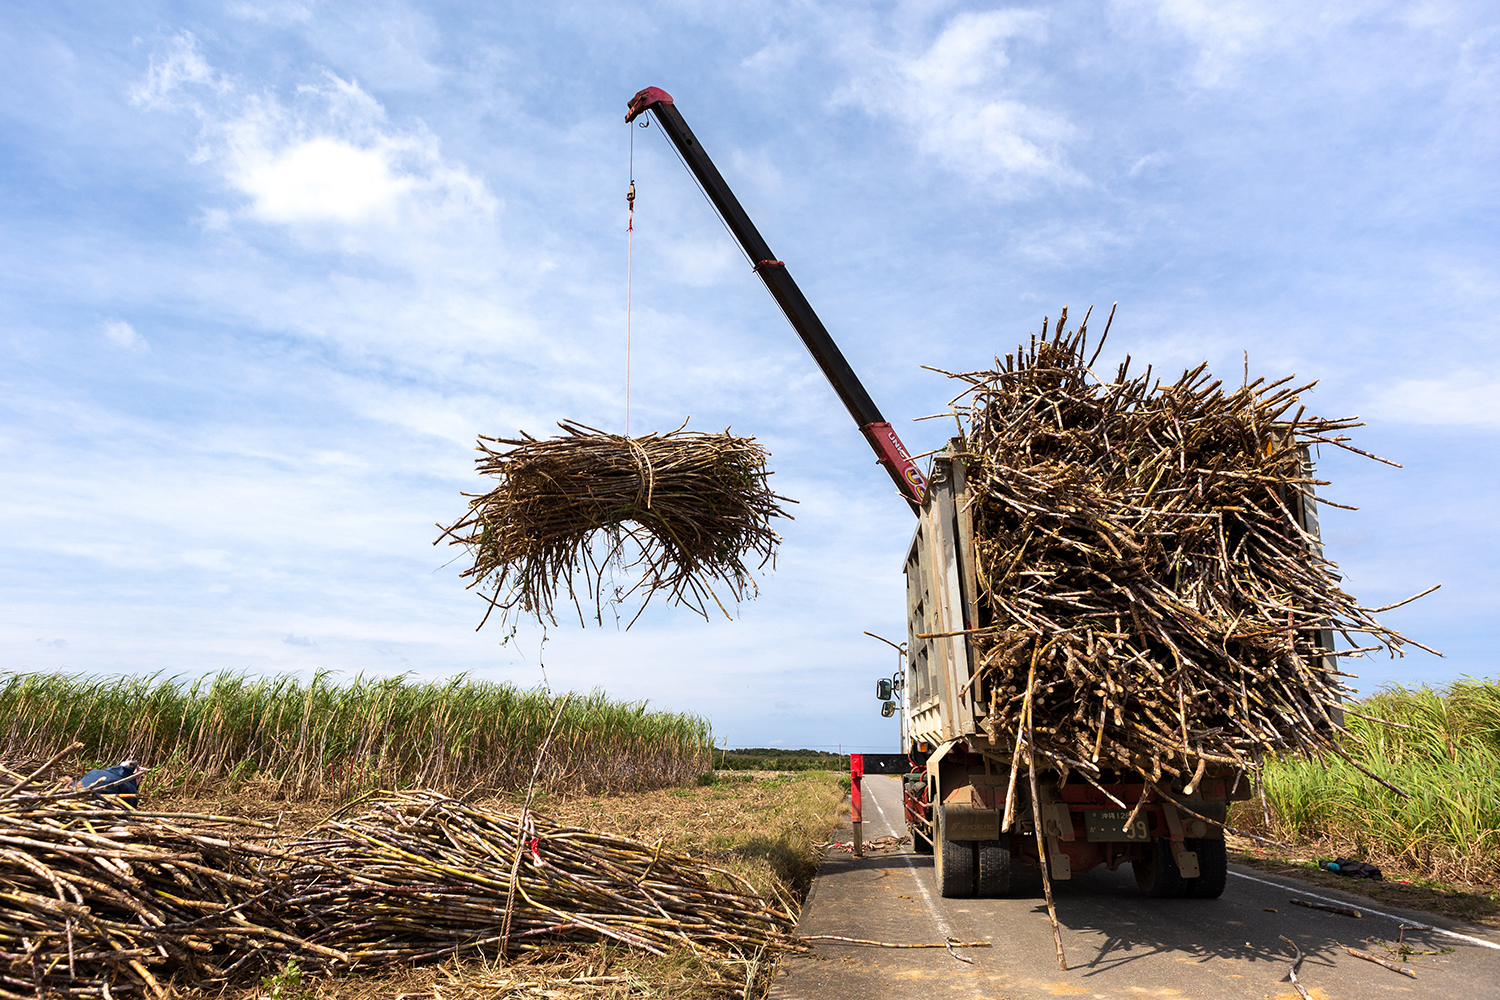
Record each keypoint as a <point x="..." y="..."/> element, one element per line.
<point x="957" y="98"/>
<point x="1457" y="402"/>
<point x="1228" y="33"/>
<point x="700" y="263"/>
<point x="277" y="12"/>
<point x="333" y="157"/>
<point x="1148" y="164"/>
<point x="212" y="559"/>
<point x="122" y="334"/>
<point x="329" y="156"/>
<point x="1223" y="30"/>
<point x="321" y="179"/>
<point x="181" y="64"/>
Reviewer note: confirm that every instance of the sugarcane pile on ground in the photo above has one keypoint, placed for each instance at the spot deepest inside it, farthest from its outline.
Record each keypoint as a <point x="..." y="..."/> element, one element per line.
<point x="97" y="899"/>
<point x="420" y="876"/>
<point x="680" y="512"/>
<point x="1152" y="598"/>
<point x="100" y="900"/>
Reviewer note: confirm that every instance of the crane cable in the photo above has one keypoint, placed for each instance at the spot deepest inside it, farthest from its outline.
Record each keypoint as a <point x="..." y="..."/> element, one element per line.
<point x="629" y="271"/>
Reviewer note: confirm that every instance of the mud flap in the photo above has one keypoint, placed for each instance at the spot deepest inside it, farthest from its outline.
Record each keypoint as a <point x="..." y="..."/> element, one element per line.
<point x="1187" y="861"/>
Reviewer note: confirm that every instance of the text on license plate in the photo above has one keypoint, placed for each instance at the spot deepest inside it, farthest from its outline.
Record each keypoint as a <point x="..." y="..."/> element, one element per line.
<point x="1106" y="824"/>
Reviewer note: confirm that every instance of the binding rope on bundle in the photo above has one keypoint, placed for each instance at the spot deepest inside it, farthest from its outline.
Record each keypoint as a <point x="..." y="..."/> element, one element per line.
<point x="682" y="511"/>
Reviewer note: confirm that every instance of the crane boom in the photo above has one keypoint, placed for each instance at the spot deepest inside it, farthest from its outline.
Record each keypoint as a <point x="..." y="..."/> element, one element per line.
<point x="877" y="430"/>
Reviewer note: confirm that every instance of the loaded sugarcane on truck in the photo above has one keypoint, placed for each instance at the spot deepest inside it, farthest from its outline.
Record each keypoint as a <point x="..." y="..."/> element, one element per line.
<point x="956" y="793"/>
<point x="955" y="798"/>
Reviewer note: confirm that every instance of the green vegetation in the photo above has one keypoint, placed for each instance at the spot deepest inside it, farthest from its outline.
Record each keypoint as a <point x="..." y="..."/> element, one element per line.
<point x="304" y="739"/>
<point x="771" y="759"/>
<point x="1444" y="752"/>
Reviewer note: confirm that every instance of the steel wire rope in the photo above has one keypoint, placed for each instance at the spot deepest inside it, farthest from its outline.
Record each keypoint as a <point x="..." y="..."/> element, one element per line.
<point x="629" y="271"/>
<point x="699" y="185"/>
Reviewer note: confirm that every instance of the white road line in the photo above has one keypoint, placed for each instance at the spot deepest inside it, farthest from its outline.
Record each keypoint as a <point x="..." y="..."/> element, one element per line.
<point x="944" y="928"/>
<point x="942" y="925"/>
<point x="1365" y="909"/>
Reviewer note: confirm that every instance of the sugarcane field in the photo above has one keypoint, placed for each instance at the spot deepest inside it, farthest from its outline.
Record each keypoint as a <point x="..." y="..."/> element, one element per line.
<point x="450" y="554"/>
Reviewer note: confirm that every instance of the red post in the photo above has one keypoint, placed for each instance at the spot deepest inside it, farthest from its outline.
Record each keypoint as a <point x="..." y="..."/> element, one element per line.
<point x="856" y="815"/>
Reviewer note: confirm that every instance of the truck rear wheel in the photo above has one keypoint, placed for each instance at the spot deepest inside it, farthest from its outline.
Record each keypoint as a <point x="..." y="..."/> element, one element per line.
<point x="957" y="874"/>
<point x="994" y="870"/>
<point x="1213" y="868"/>
<point x="1157" y="874"/>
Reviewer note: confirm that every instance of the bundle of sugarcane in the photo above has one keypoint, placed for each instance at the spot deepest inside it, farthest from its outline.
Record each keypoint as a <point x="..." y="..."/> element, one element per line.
<point x="681" y="511"/>
<point x="97" y="899"/>
<point x="1155" y="597"/>
<point x="419" y="876"/>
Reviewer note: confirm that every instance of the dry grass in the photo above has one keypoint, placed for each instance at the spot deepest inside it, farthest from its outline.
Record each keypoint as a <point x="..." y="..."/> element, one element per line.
<point x="767" y="830"/>
<point x="1477" y="902"/>
<point x="764" y="829"/>
<point x="595" y="972"/>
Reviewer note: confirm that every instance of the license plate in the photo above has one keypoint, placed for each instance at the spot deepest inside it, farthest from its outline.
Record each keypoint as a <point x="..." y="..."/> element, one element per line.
<point x="1105" y="825"/>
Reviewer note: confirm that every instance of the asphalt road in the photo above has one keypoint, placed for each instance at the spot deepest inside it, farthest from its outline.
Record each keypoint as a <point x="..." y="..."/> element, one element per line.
<point x="1118" y="943"/>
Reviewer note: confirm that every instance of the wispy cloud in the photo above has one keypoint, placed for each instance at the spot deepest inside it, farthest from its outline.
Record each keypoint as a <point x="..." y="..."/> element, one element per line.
<point x="122" y="334"/>
<point x="278" y="12"/>
<point x="178" y="65"/>
<point x="1222" y="31"/>
<point x="957" y="97"/>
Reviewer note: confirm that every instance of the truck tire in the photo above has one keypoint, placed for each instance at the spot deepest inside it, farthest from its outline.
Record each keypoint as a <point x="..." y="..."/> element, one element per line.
<point x="994" y="870"/>
<point x="959" y="868"/>
<point x="1213" y="868"/>
<point x="919" y="841"/>
<point x="1157" y="874"/>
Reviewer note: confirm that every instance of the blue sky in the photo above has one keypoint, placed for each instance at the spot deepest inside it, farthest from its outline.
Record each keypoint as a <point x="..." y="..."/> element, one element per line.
<point x="269" y="267"/>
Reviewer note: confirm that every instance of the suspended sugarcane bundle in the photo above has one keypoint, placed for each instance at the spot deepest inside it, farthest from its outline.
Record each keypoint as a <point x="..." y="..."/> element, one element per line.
<point x="1155" y="597"/>
<point x="601" y="519"/>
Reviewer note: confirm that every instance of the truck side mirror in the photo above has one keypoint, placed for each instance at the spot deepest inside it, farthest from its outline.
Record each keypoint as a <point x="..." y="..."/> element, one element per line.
<point x="888" y="709"/>
<point x="883" y="689"/>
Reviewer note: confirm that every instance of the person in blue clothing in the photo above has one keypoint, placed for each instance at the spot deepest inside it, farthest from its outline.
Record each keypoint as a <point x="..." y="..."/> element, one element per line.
<point x="123" y="780"/>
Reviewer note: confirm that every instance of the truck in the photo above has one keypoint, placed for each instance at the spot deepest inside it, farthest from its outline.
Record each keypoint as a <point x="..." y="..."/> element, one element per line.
<point x="955" y="796"/>
<point x="955" y="793"/>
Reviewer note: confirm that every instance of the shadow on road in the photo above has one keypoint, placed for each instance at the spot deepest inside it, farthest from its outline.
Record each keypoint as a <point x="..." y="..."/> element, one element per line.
<point x="1107" y="907"/>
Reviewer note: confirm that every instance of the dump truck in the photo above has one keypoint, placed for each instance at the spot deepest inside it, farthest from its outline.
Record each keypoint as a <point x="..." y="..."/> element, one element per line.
<point x="956" y="790"/>
<point x="955" y="796"/>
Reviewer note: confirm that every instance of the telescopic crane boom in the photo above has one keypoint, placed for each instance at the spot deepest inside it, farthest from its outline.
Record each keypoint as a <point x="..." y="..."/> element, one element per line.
<point x="881" y="435"/>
